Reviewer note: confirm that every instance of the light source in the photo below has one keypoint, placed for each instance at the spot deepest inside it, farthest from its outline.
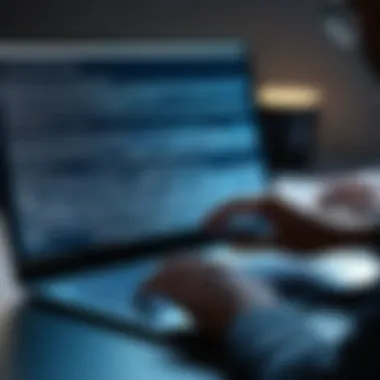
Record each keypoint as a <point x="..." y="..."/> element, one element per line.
<point x="289" y="97"/>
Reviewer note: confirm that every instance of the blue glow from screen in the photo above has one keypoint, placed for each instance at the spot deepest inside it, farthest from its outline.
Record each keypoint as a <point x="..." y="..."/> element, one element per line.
<point x="106" y="152"/>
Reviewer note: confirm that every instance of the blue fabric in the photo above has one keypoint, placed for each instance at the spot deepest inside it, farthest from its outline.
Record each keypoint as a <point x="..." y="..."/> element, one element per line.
<point x="278" y="344"/>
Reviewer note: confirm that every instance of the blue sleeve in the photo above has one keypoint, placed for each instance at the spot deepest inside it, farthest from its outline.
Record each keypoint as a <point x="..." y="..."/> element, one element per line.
<point x="277" y="344"/>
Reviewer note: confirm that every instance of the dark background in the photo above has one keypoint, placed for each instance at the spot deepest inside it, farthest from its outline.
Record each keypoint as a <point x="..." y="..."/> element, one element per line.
<point x="286" y="37"/>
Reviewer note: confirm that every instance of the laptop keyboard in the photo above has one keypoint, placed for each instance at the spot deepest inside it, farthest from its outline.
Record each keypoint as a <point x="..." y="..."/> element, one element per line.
<point x="303" y="282"/>
<point x="113" y="292"/>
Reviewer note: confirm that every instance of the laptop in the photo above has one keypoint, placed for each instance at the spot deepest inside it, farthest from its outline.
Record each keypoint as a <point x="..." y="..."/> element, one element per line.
<point x="113" y="156"/>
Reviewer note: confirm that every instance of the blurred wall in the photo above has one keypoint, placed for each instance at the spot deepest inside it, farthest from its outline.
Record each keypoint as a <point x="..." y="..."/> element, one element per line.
<point x="286" y="38"/>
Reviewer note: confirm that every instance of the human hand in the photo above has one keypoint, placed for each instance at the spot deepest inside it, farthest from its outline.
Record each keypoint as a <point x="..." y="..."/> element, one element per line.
<point x="214" y="294"/>
<point x="355" y="195"/>
<point x="294" y="228"/>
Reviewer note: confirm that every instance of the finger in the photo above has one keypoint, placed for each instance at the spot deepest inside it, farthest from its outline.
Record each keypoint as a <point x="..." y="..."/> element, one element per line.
<point x="260" y="243"/>
<point x="155" y="284"/>
<point x="260" y="235"/>
<point x="353" y="195"/>
<point x="146" y="289"/>
<point x="335" y="193"/>
<point x="222" y="217"/>
<point x="168" y="280"/>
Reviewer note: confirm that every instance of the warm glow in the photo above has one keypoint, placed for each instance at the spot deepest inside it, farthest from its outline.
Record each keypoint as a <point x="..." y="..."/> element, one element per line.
<point x="289" y="97"/>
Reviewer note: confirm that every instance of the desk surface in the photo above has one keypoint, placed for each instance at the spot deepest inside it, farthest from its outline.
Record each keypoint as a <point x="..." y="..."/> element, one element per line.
<point x="45" y="346"/>
<point x="36" y="345"/>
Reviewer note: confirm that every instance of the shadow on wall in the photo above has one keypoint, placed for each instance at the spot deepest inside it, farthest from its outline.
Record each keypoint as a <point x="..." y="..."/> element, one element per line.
<point x="289" y="44"/>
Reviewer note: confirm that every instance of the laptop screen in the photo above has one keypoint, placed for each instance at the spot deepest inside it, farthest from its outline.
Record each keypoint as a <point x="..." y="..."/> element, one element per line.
<point x="123" y="144"/>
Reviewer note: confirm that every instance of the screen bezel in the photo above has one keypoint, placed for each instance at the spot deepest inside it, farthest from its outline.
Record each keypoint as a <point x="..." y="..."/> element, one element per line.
<point x="97" y="256"/>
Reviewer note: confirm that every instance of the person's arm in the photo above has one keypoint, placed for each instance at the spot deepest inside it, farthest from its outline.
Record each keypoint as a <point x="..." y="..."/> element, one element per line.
<point x="277" y="344"/>
<point x="265" y="338"/>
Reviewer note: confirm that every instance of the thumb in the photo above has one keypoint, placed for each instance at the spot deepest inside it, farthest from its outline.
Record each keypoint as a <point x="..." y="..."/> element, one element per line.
<point x="223" y="216"/>
<point x="258" y="227"/>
